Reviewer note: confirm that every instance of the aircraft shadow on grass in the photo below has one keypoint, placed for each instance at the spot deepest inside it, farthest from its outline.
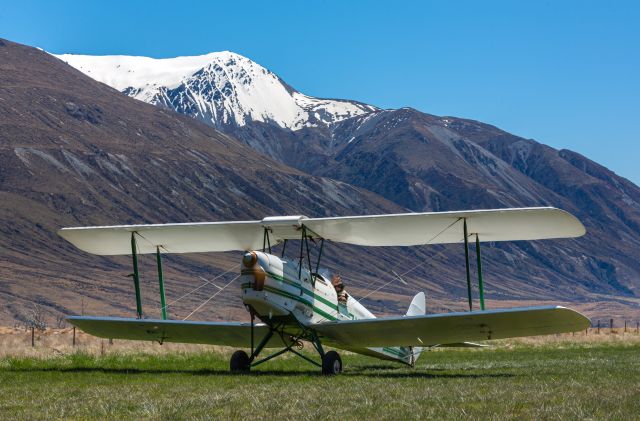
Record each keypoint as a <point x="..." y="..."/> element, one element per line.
<point x="356" y="371"/>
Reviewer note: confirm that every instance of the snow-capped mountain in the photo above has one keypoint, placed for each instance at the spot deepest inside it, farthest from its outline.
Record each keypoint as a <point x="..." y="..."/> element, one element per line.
<point x="222" y="89"/>
<point x="82" y="153"/>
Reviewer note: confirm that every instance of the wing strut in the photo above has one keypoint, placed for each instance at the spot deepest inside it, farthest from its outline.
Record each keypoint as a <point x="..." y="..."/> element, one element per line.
<point x="479" y="263"/>
<point x="136" y="275"/>
<point x="313" y="276"/>
<point x="266" y="241"/>
<point x="163" y="303"/>
<point x="480" y="284"/>
<point x="466" y="261"/>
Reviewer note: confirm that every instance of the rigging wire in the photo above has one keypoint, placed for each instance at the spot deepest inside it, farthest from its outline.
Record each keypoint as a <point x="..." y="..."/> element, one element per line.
<point x="397" y="276"/>
<point x="413" y="268"/>
<point x="195" y="289"/>
<point x="403" y="259"/>
<point x="212" y="297"/>
<point x="203" y="285"/>
<point x="150" y="243"/>
<point x="207" y="282"/>
<point x="419" y="264"/>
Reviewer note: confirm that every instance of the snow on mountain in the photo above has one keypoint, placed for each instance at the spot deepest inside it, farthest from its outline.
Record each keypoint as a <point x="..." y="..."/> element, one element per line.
<point x="221" y="88"/>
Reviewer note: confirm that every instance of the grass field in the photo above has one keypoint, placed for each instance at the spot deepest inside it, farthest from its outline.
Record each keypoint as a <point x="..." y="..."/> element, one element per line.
<point x="559" y="378"/>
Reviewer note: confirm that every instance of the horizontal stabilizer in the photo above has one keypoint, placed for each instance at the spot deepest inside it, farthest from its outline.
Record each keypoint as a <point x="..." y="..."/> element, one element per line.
<point x="450" y="328"/>
<point x="234" y="334"/>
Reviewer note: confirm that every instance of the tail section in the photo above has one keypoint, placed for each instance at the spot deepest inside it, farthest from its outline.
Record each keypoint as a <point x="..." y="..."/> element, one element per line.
<point x="406" y="354"/>
<point x="418" y="307"/>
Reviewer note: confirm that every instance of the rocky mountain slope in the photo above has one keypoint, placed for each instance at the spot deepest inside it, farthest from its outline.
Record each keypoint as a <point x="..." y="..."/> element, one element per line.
<point x="425" y="162"/>
<point x="76" y="152"/>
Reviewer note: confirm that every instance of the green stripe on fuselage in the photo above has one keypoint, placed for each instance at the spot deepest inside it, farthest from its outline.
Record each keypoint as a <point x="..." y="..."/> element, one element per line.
<point x="333" y="306"/>
<point x="296" y="298"/>
<point x="306" y="291"/>
<point x="397" y="352"/>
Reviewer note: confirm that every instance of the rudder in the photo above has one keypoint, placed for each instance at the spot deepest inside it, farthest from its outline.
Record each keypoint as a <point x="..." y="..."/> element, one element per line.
<point x="418" y="307"/>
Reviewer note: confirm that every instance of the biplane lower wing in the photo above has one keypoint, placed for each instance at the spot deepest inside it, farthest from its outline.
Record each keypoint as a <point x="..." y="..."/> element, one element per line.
<point x="234" y="334"/>
<point x="452" y="328"/>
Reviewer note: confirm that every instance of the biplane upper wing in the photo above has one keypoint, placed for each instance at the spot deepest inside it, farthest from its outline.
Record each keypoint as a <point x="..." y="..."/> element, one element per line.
<point x="410" y="229"/>
<point x="407" y="229"/>
<point x="452" y="328"/>
<point x="236" y="334"/>
<point x="171" y="238"/>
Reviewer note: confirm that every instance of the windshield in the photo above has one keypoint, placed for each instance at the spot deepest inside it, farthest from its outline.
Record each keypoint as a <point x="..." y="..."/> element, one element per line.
<point x="327" y="274"/>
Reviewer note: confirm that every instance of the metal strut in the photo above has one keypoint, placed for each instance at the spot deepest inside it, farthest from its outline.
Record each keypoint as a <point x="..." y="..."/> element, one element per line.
<point x="466" y="260"/>
<point x="266" y="230"/>
<point x="261" y="345"/>
<point x="480" y="285"/>
<point x="317" y="344"/>
<point x="163" y="304"/>
<point x="266" y="241"/>
<point x="306" y="242"/>
<point x="288" y="347"/>
<point x="304" y="234"/>
<point x="136" y="275"/>
<point x="252" y="327"/>
<point x="313" y="277"/>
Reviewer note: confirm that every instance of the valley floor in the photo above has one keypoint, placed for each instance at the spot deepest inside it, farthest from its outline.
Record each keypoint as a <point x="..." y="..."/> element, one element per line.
<point x="567" y="377"/>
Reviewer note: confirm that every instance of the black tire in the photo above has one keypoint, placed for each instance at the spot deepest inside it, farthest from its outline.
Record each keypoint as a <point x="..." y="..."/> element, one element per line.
<point x="239" y="362"/>
<point x="331" y="363"/>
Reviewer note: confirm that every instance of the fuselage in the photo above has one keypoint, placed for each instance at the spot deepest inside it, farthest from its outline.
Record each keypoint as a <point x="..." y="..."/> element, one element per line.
<point x="279" y="291"/>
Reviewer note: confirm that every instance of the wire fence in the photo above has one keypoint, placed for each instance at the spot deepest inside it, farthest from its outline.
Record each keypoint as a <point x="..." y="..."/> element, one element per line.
<point x="611" y="326"/>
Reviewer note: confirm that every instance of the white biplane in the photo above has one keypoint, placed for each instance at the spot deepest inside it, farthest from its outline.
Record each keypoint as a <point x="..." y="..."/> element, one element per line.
<point x="296" y="301"/>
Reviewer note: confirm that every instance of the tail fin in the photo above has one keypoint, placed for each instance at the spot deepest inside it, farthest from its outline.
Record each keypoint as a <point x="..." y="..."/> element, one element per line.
<point x="417" y="307"/>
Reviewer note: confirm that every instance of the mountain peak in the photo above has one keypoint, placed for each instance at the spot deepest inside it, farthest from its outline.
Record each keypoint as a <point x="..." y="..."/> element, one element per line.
<point x="220" y="88"/>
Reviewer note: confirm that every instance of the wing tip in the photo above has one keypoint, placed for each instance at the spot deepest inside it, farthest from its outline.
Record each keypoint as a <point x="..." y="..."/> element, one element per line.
<point x="576" y="224"/>
<point x="582" y="322"/>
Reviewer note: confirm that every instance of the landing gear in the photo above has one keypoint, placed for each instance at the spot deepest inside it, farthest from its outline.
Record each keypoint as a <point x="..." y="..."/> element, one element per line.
<point x="240" y="362"/>
<point x="331" y="363"/>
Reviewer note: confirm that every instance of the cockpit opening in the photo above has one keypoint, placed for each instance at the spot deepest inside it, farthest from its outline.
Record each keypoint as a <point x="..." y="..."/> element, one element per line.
<point x="336" y="281"/>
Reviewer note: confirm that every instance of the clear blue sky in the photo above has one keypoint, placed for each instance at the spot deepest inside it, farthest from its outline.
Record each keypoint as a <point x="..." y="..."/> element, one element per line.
<point x="566" y="73"/>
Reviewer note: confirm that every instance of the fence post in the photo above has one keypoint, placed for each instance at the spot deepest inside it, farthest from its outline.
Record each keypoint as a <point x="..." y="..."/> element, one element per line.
<point x="625" y="326"/>
<point x="598" y="327"/>
<point x="73" y="343"/>
<point x="610" y="326"/>
<point x="33" y="337"/>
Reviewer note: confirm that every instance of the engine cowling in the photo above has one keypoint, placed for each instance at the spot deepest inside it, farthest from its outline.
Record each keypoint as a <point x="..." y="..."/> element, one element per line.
<point x="252" y="268"/>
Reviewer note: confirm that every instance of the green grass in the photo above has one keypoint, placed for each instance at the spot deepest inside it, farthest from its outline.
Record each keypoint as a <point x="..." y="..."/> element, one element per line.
<point x="557" y="381"/>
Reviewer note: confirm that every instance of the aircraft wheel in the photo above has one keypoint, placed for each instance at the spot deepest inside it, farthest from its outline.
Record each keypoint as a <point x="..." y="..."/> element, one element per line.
<point x="331" y="363"/>
<point x="239" y="362"/>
